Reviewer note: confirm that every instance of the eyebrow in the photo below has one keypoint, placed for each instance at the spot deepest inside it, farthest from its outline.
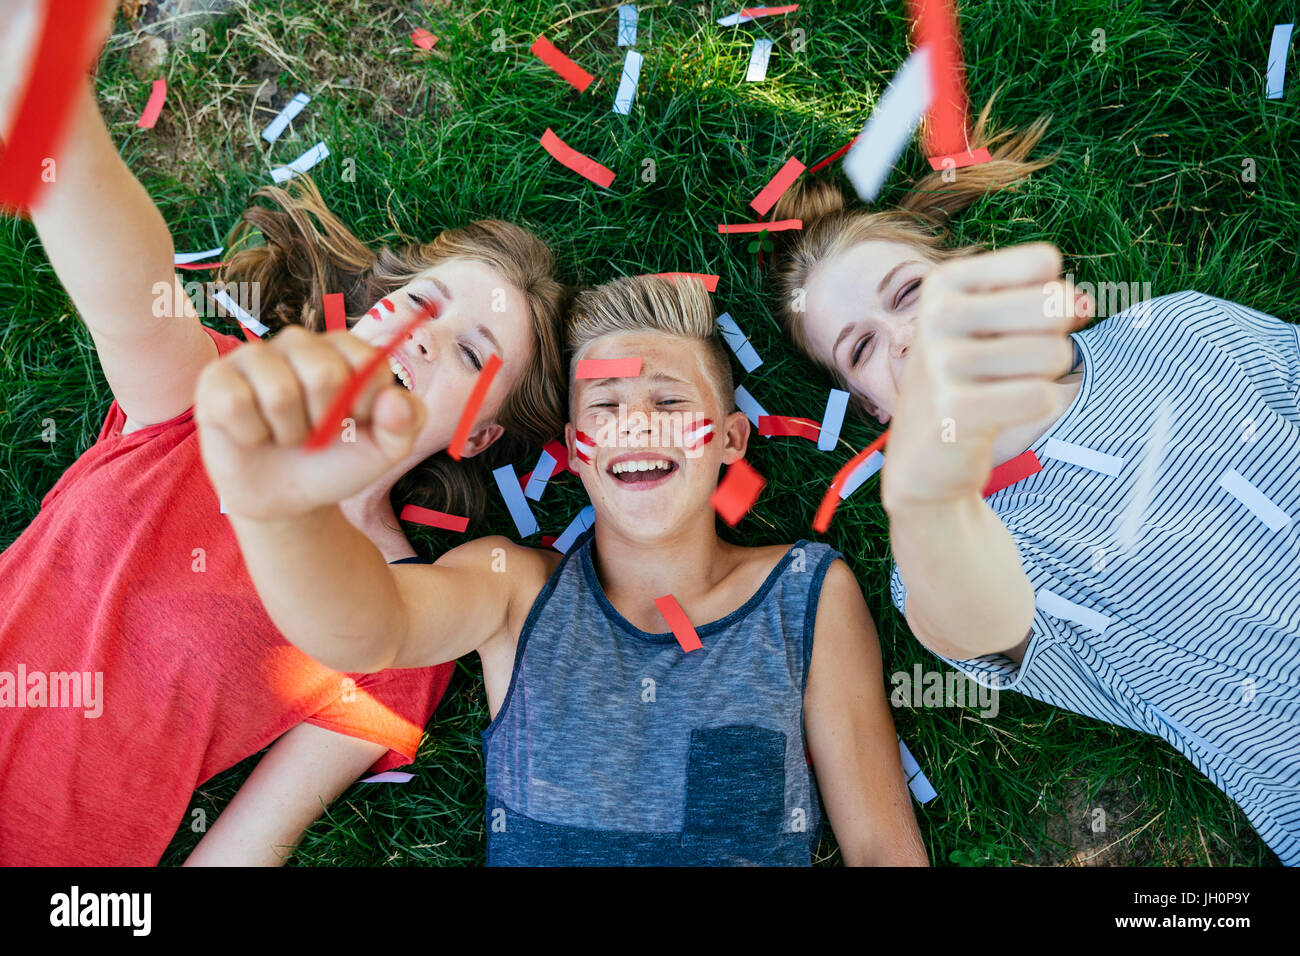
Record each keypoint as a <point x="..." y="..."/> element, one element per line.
<point x="484" y="331"/>
<point x="441" y="287"/>
<point x="653" y="377"/>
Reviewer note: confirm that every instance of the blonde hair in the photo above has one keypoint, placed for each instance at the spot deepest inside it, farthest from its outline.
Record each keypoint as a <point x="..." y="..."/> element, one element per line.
<point x="306" y="252"/>
<point x="830" y="227"/>
<point x="648" y="303"/>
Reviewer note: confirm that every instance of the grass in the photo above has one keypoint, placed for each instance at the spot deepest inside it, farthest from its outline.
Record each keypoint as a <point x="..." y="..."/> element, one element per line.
<point x="1148" y="186"/>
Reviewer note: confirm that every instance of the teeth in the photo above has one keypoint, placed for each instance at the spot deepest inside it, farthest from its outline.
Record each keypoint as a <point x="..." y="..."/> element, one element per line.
<point x="625" y="466"/>
<point x="400" y="372"/>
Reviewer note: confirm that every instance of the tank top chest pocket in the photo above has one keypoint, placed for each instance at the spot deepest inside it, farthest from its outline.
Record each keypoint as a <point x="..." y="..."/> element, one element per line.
<point x="735" y="792"/>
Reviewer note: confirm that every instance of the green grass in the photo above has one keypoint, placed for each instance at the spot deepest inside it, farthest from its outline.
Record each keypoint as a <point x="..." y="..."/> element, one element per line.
<point x="1148" y="186"/>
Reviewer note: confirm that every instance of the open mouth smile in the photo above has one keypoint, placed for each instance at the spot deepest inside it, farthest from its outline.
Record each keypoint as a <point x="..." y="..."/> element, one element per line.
<point x="642" y="471"/>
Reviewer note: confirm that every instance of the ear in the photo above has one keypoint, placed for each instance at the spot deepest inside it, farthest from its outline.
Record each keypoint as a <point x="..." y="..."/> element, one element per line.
<point x="570" y="436"/>
<point x="482" y="438"/>
<point x="735" y="435"/>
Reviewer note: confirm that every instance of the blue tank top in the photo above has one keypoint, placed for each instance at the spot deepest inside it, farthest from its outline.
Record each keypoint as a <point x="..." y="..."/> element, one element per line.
<point x="614" y="747"/>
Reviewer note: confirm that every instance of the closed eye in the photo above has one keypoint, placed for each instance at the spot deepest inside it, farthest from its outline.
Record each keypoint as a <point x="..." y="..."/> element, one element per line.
<point x="473" y="358"/>
<point x="906" y="291"/>
<point x="862" y="344"/>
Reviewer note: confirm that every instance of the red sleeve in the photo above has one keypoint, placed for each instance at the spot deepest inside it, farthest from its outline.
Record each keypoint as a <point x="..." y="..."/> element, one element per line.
<point x="389" y="708"/>
<point x="116" y="418"/>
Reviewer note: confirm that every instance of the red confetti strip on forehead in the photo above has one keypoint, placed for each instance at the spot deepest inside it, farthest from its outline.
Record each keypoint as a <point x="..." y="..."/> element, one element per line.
<point x="608" y="368"/>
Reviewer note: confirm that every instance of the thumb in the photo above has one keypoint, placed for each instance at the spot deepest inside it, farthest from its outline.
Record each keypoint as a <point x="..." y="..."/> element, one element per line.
<point x="398" y="417"/>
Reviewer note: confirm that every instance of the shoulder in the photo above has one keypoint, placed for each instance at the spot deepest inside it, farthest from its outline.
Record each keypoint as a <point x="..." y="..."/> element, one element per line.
<point x="499" y="555"/>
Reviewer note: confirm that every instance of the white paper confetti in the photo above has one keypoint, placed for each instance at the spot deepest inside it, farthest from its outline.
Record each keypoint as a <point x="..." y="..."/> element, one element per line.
<point x="890" y="126"/>
<point x="285" y="117"/>
<point x="306" y="161"/>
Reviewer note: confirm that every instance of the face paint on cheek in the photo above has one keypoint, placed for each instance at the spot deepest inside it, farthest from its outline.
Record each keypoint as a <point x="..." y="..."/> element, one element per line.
<point x="584" y="447"/>
<point x="374" y="314"/>
<point x="699" y="434"/>
<point x="388" y="305"/>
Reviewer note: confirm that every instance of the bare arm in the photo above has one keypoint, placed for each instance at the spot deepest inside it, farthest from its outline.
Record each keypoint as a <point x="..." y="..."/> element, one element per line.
<point x="851" y="734"/>
<point x="113" y="253"/>
<point x="303" y="772"/>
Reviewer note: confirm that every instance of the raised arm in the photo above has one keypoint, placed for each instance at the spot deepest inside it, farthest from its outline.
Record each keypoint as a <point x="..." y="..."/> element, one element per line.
<point x="984" y="357"/>
<point x="113" y="253"/>
<point x="851" y="733"/>
<point x="323" y="583"/>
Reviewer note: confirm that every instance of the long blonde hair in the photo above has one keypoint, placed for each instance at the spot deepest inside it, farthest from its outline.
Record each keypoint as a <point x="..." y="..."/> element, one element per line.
<point x="830" y="227"/>
<point x="648" y="303"/>
<point x="306" y="252"/>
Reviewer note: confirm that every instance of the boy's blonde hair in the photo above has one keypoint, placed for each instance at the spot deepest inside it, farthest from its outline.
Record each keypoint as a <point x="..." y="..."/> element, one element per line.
<point x="679" y="307"/>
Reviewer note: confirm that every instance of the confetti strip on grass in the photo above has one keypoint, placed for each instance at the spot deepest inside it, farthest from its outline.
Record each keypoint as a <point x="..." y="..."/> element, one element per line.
<point x="832" y="498"/>
<point x="680" y="624"/>
<point x="548" y="53"/>
<point x="285" y="117"/>
<point x="65" y="52"/>
<point x="608" y="368"/>
<point x="890" y="126"/>
<point x="237" y="312"/>
<point x="758" y="61"/>
<point x="581" y="522"/>
<point x="834" y="156"/>
<point x="873" y="463"/>
<point x="936" y="31"/>
<point x="539" y="476"/>
<point x="749" y="405"/>
<point x="832" y="419"/>
<point x="508" y="484"/>
<point x="317" y="154"/>
<point x="423" y="38"/>
<point x="753" y="13"/>
<point x="627" y="85"/>
<point x="329" y="424"/>
<point x="390" y="776"/>
<point x="185" y="258"/>
<point x="627" y="24"/>
<point x="335" y="320"/>
<point x="779" y="225"/>
<point x="153" y="108"/>
<point x="738" y="343"/>
<point x="737" y="492"/>
<point x="916" y="780"/>
<point x="786" y="426"/>
<point x="1279" y="46"/>
<point x="584" y="166"/>
<point x="779" y="183"/>
<point x="433" y="519"/>
<point x="467" y="416"/>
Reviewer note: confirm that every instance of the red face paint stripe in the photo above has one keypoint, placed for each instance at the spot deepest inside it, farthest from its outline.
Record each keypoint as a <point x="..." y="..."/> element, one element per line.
<point x="388" y="305"/>
<point x="329" y="425"/>
<point x="680" y="624"/>
<point x="476" y="397"/>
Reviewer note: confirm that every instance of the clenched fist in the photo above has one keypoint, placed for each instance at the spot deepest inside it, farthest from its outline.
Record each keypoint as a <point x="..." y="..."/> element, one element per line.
<point x="256" y="406"/>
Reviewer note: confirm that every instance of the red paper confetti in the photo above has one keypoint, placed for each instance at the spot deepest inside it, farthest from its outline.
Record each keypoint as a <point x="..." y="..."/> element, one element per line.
<point x="423" y="38"/>
<point x="831" y="500"/>
<point x="153" y="108"/>
<point x="786" y="426"/>
<point x="434" y="519"/>
<point x="768" y="11"/>
<point x="967" y="157"/>
<point x="936" y="27"/>
<point x="199" y="265"/>
<point x="779" y="183"/>
<point x="548" y="540"/>
<point x="329" y="425"/>
<point x="710" y="281"/>
<point x="737" y="492"/>
<point x="834" y="156"/>
<point x="548" y="53"/>
<point x="778" y="226"/>
<point x="609" y="368"/>
<point x="68" y="45"/>
<point x="681" y="625"/>
<point x="560" y="452"/>
<point x="1009" y="472"/>
<point x="476" y="397"/>
<point x="584" y="166"/>
<point x="335" y="321"/>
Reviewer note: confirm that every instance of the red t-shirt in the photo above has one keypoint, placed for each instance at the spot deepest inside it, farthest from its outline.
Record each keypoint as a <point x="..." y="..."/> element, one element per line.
<point x="131" y="572"/>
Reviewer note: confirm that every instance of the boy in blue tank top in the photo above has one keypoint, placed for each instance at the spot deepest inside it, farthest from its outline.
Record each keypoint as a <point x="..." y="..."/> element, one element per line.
<point x="614" y="740"/>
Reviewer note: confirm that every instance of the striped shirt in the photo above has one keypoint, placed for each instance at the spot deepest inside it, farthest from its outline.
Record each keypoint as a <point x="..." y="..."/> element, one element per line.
<point x="1161" y="538"/>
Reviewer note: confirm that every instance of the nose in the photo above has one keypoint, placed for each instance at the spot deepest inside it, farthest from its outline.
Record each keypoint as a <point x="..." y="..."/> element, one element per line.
<point x="424" y="340"/>
<point x="900" y="340"/>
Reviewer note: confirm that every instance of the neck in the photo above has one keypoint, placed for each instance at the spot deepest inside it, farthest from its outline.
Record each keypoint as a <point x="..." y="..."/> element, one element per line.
<point x="371" y="513"/>
<point x="1016" y="441"/>
<point x="684" y="562"/>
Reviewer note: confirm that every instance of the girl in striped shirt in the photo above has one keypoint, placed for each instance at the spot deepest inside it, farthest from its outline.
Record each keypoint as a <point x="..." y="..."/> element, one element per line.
<point x="1147" y="574"/>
